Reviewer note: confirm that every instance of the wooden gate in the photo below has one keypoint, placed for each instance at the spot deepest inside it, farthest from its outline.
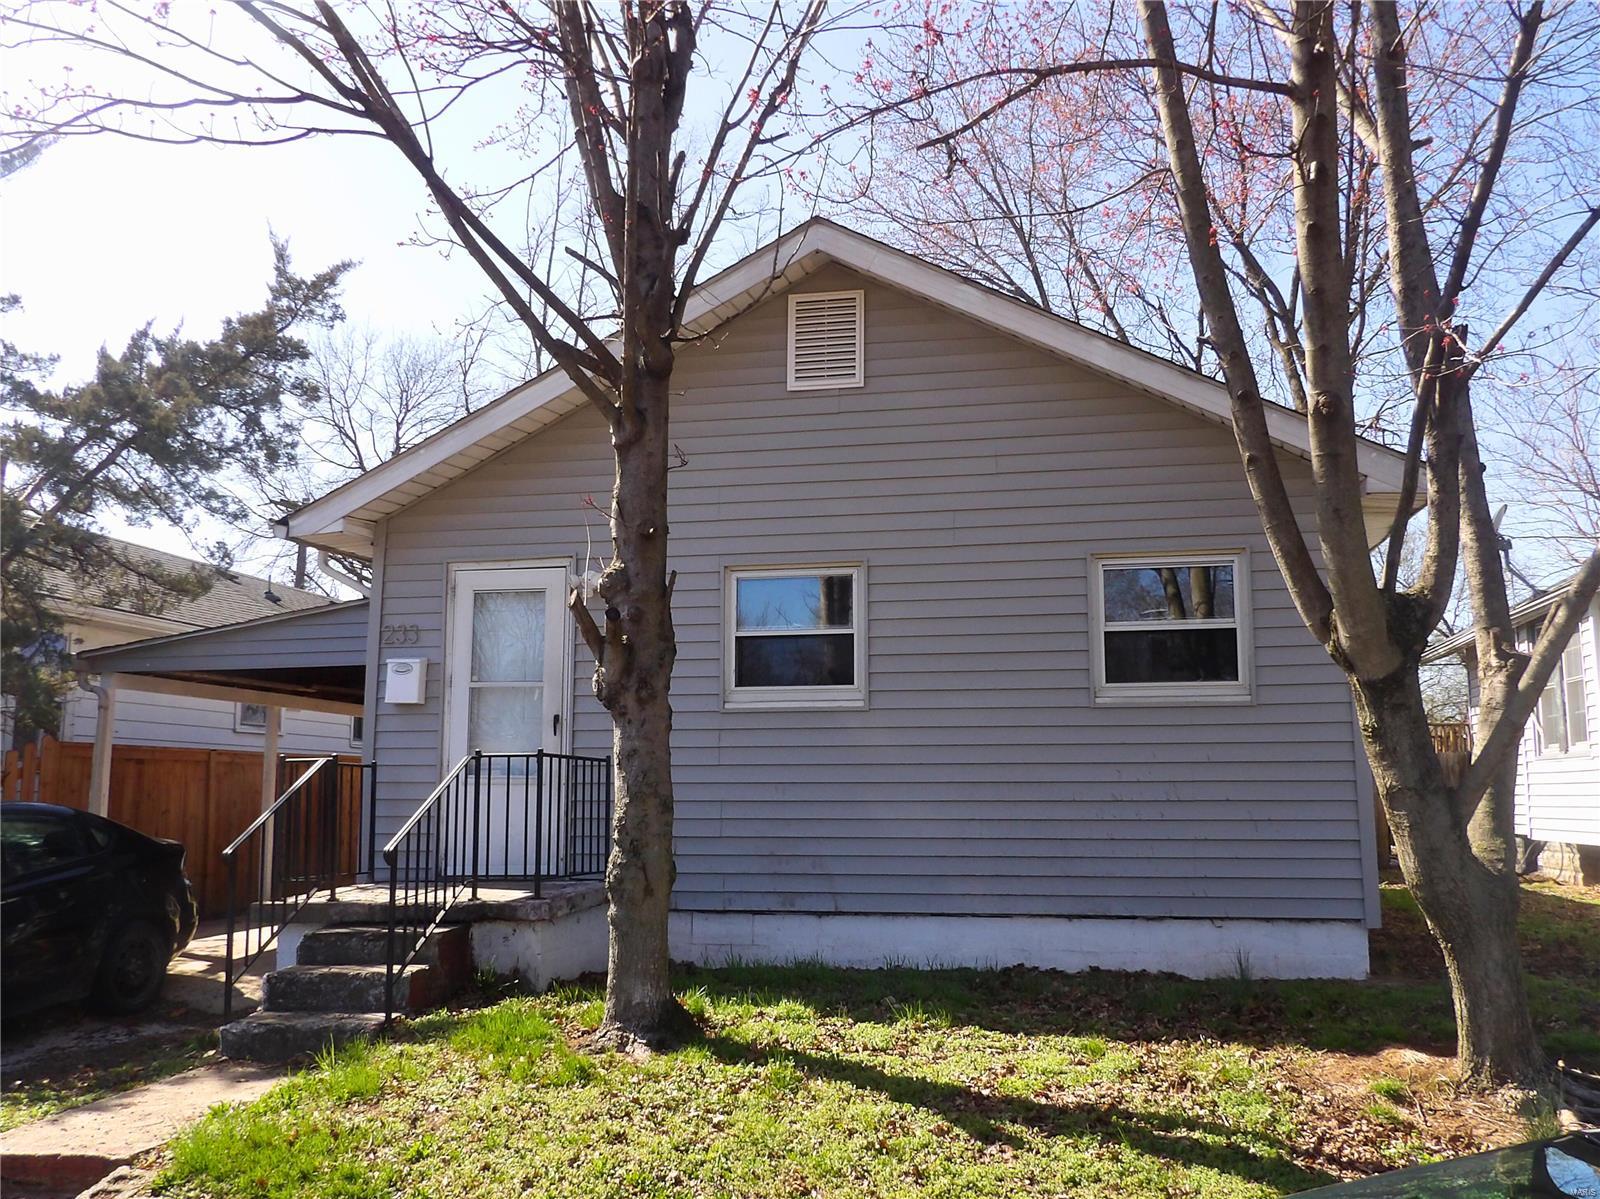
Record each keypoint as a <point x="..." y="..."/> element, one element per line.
<point x="201" y="797"/>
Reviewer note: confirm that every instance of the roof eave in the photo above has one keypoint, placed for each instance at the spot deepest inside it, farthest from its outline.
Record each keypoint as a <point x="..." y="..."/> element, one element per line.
<point x="342" y="521"/>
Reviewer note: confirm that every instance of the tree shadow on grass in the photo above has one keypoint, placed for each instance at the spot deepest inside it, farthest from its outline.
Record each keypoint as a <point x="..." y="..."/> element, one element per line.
<point x="1335" y="1015"/>
<point x="996" y="1119"/>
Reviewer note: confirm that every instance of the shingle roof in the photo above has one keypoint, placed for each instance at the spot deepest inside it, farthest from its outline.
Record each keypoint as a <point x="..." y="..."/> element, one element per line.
<point x="232" y="596"/>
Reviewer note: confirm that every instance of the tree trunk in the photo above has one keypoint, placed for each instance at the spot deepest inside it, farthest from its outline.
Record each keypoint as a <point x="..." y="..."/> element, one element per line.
<point x="632" y="682"/>
<point x="1470" y="905"/>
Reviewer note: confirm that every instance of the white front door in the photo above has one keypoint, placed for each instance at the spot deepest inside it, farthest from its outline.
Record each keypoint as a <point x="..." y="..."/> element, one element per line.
<point x="506" y="669"/>
<point x="506" y="661"/>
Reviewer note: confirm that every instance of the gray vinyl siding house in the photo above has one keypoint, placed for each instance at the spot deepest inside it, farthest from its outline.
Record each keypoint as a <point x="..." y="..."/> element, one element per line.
<point x="980" y="794"/>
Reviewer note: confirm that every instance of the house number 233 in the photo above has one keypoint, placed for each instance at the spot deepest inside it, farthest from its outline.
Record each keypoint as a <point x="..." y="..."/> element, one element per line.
<point x="401" y="634"/>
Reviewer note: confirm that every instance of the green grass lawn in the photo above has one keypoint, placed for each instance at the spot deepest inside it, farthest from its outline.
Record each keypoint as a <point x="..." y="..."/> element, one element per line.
<point x="809" y="1081"/>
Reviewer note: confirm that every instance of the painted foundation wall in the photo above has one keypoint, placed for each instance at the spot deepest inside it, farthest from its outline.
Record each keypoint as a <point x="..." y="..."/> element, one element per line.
<point x="1194" y="948"/>
<point x="545" y="951"/>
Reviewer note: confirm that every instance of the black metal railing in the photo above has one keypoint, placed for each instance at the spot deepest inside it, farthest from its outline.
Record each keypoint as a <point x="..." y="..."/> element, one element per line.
<point x="521" y="818"/>
<point x="309" y="841"/>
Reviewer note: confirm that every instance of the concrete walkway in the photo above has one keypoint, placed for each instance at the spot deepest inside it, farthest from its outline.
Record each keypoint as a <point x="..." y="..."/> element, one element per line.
<point x="194" y="978"/>
<point x="76" y="1148"/>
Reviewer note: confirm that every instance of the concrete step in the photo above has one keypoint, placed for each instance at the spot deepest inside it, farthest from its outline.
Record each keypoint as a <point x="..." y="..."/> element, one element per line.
<point x="368" y="945"/>
<point x="287" y="1036"/>
<point x="350" y="988"/>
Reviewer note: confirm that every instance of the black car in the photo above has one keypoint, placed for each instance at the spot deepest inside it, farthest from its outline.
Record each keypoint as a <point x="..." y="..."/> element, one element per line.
<point x="92" y="910"/>
<point x="1564" y="1168"/>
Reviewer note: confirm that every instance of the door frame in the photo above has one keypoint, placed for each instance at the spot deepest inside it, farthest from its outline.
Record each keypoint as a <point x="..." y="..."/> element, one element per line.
<point x="447" y="706"/>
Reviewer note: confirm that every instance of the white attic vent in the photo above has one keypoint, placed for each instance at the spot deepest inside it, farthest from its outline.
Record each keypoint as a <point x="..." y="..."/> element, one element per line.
<point x="825" y="340"/>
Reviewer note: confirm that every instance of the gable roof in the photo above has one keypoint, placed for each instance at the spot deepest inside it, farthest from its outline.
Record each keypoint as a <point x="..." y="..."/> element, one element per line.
<point x="232" y="597"/>
<point x="343" y="519"/>
<point x="1464" y="643"/>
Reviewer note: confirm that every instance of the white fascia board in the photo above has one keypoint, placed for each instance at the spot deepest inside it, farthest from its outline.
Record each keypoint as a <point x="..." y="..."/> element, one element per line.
<point x="1465" y="642"/>
<point x="330" y="522"/>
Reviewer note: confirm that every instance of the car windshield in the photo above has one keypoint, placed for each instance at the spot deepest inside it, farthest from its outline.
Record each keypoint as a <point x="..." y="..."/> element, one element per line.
<point x="1568" y="1167"/>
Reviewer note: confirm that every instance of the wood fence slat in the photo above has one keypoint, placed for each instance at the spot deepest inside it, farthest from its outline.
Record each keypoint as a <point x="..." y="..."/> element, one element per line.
<point x="202" y="798"/>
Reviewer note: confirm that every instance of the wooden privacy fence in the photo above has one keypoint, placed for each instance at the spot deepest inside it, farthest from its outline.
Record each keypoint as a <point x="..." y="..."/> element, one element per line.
<point x="201" y="797"/>
<point x="1452" y="741"/>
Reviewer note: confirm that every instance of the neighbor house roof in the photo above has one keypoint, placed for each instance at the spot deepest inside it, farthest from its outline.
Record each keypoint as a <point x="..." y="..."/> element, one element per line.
<point x="231" y="596"/>
<point x="343" y="520"/>
<point x="1464" y="642"/>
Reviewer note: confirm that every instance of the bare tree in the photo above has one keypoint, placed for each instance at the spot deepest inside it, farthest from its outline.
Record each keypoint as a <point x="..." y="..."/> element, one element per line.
<point x="366" y="398"/>
<point x="603" y="95"/>
<point x="1401" y="170"/>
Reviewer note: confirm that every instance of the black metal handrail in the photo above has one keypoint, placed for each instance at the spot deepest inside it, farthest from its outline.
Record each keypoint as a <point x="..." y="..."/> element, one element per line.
<point x="300" y="846"/>
<point x="496" y="817"/>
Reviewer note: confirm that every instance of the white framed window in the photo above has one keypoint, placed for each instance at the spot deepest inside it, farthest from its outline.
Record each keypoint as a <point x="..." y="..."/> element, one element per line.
<point x="827" y="334"/>
<point x="1562" y="720"/>
<point x="250" y="718"/>
<point x="1171" y="627"/>
<point x="795" y="637"/>
<point x="357" y="731"/>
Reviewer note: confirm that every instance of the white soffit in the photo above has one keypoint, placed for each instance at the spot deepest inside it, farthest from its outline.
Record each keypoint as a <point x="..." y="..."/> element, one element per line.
<point x="342" y="520"/>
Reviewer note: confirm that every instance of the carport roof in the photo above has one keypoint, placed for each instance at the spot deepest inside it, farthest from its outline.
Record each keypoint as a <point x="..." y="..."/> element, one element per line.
<point x="314" y="659"/>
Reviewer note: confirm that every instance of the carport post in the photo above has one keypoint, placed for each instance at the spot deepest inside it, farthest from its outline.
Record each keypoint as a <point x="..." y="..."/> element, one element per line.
<point x="105" y="727"/>
<point x="269" y="790"/>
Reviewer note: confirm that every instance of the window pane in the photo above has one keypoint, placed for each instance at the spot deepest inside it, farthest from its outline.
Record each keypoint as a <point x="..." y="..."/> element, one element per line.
<point x="505" y="719"/>
<point x="1186" y="656"/>
<point x="817" y="660"/>
<point x="507" y="636"/>
<point x="804" y="602"/>
<point x="1549" y="716"/>
<point x="1169" y="593"/>
<point x="1572" y="680"/>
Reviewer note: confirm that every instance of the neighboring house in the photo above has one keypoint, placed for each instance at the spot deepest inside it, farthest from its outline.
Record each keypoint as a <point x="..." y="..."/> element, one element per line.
<point x="1558" y="759"/>
<point x="98" y="616"/>
<point x="982" y="655"/>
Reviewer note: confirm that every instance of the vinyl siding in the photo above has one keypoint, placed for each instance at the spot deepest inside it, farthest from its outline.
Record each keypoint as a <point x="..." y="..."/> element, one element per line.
<point x="974" y="477"/>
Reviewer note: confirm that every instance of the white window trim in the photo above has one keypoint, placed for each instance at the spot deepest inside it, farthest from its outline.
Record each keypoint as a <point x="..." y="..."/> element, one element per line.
<point x="1129" y="694"/>
<point x="859" y="379"/>
<point x="794" y="699"/>
<point x="1542" y="749"/>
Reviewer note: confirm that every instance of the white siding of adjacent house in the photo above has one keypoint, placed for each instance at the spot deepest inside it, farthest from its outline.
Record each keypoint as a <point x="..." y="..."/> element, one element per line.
<point x="1558" y="795"/>
<point x="974" y="477"/>
<point x="148" y="718"/>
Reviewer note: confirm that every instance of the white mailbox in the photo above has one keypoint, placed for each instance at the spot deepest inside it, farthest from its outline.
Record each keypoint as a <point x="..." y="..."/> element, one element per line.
<point x="405" y="680"/>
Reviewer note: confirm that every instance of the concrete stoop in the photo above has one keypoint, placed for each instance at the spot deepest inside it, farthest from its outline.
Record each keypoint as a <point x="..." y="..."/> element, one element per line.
<point x="334" y="993"/>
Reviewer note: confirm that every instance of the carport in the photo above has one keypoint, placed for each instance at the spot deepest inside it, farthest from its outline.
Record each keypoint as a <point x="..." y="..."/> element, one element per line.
<point x="312" y="660"/>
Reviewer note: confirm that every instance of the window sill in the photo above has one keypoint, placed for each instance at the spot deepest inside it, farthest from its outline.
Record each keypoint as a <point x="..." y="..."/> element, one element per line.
<point x="1155" y="699"/>
<point x="1577" y="752"/>
<point x="793" y="703"/>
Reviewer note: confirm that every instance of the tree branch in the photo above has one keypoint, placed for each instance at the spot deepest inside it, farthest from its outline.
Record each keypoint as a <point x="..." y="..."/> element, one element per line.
<point x="1256" y="449"/>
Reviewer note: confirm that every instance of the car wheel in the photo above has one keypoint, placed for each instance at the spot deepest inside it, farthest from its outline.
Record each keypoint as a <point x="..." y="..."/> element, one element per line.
<point x="133" y="969"/>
